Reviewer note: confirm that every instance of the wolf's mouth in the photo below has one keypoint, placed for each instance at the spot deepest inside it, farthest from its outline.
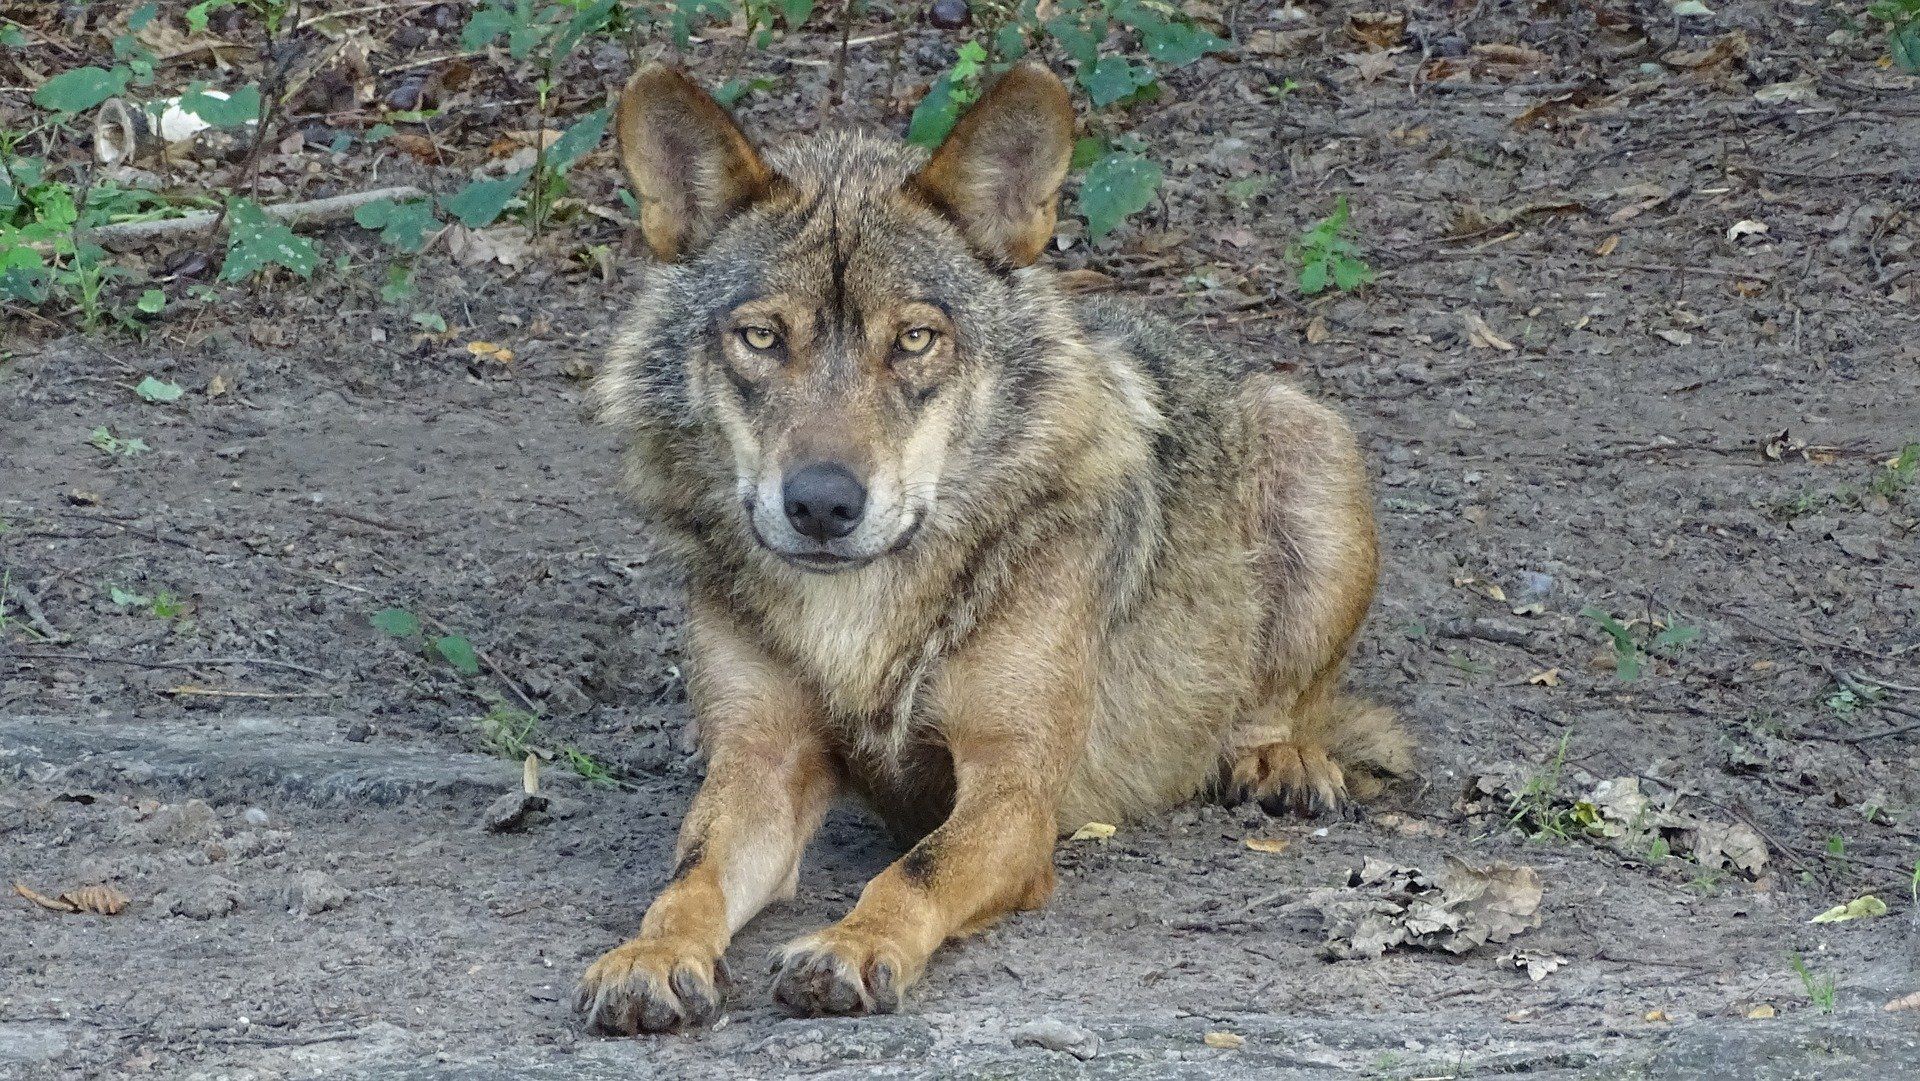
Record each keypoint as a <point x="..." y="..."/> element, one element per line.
<point x="823" y="562"/>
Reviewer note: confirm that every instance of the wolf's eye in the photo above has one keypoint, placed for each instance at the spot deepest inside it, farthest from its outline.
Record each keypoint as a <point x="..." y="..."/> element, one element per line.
<point x="759" y="338"/>
<point x="917" y="340"/>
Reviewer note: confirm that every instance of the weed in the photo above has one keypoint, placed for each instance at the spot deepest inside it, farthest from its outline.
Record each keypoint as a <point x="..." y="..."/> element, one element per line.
<point x="1534" y="809"/>
<point x="515" y="733"/>
<point x="1630" y="650"/>
<point x="107" y="443"/>
<point x="1896" y="477"/>
<point x="587" y="767"/>
<point x="6" y="591"/>
<point x="1821" y="990"/>
<point x="1903" y="30"/>
<point x="1327" y="255"/>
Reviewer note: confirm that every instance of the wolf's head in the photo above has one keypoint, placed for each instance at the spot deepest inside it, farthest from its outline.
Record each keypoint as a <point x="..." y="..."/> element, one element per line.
<point x="849" y="315"/>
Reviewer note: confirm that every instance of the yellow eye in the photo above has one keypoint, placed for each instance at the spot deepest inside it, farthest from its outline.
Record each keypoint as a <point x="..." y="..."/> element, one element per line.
<point x="760" y="338"/>
<point x="917" y="340"/>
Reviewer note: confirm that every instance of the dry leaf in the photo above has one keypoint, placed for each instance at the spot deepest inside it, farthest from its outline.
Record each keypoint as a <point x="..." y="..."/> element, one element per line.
<point x="1798" y="91"/>
<point x="1316" y="330"/>
<point x="1092" y="831"/>
<point x="1723" y="52"/>
<point x="1607" y="246"/>
<point x="100" y="900"/>
<point x="1538" y="966"/>
<point x="1518" y="58"/>
<point x="1548" y="678"/>
<point x="1463" y="907"/>
<point x="1481" y="336"/>
<point x="1904" y="1002"/>
<point x="1226" y="1041"/>
<point x="499" y="354"/>
<point x="577" y="368"/>
<point x="1746" y="228"/>
<point x="1267" y="844"/>
<point x="1677" y="337"/>
<point x="1658" y="1017"/>
<point x="1761" y="1012"/>
<point x="1377" y="29"/>
<point x="217" y="385"/>
<point x="1371" y="66"/>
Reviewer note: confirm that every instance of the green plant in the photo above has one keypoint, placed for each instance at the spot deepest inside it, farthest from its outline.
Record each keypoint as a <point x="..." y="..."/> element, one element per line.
<point x="1536" y="810"/>
<point x="1630" y="651"/>
<point x="107" y="443"/>
<point x="1327" y="255"/>
<point x="1903" y="30"/>
<point x="1821" y="990"/>
<point x="452" y="648"/>
<point x="515" y="733"/>
<point x="256" y="241"/>
<point x="1890" y="482"/>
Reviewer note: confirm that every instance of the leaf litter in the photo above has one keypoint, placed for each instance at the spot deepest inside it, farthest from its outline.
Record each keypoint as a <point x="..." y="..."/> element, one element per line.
<point x="1456" y="910"/>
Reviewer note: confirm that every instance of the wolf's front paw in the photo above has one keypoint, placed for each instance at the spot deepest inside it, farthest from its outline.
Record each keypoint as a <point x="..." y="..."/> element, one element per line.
<point x="841" y="971"/>
<point x="652" y="985"/>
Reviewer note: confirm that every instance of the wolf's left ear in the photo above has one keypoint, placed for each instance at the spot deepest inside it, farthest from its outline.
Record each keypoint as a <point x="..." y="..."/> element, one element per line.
<point x="1000" y="170"/>
<point x="689" y="162"/>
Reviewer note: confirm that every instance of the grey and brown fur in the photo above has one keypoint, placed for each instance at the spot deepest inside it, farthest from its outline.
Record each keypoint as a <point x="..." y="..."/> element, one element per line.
<point x="1101" y="568"/>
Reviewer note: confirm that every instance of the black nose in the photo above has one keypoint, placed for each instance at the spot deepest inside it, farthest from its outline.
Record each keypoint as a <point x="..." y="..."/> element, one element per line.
<point x="824" y="500"/>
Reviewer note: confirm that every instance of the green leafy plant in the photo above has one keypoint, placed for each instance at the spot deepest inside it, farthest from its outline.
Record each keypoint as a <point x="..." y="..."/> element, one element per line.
<point x="1536" y="809"/>
<point x="107" y="443"/>
<point x="155" y="390"/>
<point x="515" y="733"/>
<point x="1630" y="650"/>
<point x="1327" y="254"/>
<point x="256" y="241"/>
<point x="1821" y="990"/>
<point x="1903" y="31"/>
<point x="451" y="648"/>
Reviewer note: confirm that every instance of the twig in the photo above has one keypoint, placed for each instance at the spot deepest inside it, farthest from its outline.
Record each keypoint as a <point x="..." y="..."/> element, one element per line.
<point x="94" y="658"/>
<point x="368" y="519"/>
<point x="296" y="214"/>
<point x="188" y="690"/>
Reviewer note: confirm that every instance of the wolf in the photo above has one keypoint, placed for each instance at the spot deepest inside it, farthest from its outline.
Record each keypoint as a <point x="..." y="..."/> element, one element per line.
<point x="992" y="554"/>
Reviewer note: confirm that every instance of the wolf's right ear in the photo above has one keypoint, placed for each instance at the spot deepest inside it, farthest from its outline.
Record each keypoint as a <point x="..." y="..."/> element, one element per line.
<point x="1000" y="170"/>
<point x="689" y="162"/>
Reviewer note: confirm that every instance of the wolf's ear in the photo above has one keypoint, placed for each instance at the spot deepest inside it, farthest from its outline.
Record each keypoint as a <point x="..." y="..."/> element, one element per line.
<point x="689" y="162"/>
<point x="1000" y="170"/>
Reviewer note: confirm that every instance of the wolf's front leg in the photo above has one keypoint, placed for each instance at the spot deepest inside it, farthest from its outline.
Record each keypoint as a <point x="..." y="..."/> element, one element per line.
<point x="1016" y="705"/>
<point x="770" y="780"/>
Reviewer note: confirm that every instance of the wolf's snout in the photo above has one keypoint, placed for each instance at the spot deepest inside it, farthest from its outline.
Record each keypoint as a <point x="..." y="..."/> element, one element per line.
<point x="824" y="500"/>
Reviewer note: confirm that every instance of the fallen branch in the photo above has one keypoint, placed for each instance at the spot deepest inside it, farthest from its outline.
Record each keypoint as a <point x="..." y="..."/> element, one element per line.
<point x="305" y="212"/>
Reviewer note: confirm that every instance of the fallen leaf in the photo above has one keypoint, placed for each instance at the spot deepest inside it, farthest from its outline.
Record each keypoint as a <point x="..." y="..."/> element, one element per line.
<point x="577" y="368"/>
<point x="1371" y="66"/>
<point x="217" y="386"/>
<point x="499" y="354"/>
<point x="100" y="900"/>
<point x="1860" y="908"/>
<point x="1512" y="56"/>
<point x="1267" y="844"/>
<point x="1538" y="966"/>
<point x="1904" y="1002"/>
<point x="41" y="899"/>
<point x="1226" y="1041"/>
<point x="1746" y="228"/>
<point x="1729" y="48"/>
<point x="1482" y="336"/>
<point x="1607" y="246"/>
<point x="1658" y="1017"/>
<point x="1092" y="831"/>
<point x="1761" y="1012"/>
<point x="1548" y="678"/>
<point x="1798" y="91"/>
<point x="1377" y="29"/>
<point x="1462" y="907"/>
<point x="1677" y="337"/>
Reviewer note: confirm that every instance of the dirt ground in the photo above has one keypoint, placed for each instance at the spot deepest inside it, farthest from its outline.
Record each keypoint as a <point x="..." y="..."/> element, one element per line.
<point x="1589" y="329"/>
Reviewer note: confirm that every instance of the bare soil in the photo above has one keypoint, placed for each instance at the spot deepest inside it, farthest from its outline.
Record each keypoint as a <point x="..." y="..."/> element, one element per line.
<point x="291" y="798"/>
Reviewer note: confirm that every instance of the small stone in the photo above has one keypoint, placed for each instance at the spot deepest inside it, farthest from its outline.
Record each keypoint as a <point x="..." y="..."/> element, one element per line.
<point x="359" y="733"/>
<point x="254" y="816"/>
<point x="313" y="892"/>
<point x="1057" y="1035"/>
<point x="202" y="899"/>
<point x="512" y="812"/>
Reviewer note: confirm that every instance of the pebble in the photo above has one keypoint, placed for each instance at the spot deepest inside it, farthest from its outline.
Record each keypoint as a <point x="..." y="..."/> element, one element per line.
<point x="1057" y="1035"/>
<point x="254" y="816"/>
<point x="313" y="892"/>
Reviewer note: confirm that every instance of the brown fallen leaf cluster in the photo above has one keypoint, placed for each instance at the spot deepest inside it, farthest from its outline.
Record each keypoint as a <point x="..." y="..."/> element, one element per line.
<point x="1458" y="909"/>
<point x="1617" y="813"/>
<point x="98" y="900"/>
